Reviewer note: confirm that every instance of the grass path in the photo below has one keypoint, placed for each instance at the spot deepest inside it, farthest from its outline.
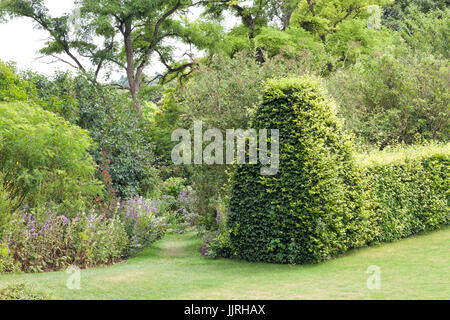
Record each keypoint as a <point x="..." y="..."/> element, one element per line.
<point x="415" y="268"/>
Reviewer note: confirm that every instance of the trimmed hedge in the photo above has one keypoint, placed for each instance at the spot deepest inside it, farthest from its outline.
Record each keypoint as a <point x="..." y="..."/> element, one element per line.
<point x="314" y="207"/>
<point x="324" y="200"/>
<point x="410" y="189"/>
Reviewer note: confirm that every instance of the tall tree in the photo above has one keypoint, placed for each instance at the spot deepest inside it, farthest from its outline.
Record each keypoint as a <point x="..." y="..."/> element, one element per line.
<point x="254" y="15"/>
<point x="322" y="17"/>
<point x="397" y="11"/>
<point x="124" y="33"/>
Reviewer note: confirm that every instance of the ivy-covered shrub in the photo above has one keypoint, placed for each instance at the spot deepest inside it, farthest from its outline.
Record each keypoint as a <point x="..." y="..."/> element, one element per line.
<point x="325" y="199"/>
<point x="410" y="189"/>
<point x="314" y="207"/>
<point x="45" y="159"/>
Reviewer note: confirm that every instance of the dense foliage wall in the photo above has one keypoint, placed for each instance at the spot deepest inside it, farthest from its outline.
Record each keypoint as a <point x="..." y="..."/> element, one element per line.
<point x="314" y="207"/>
<point x="321" y="203"/>
<point x="410" y="189"/>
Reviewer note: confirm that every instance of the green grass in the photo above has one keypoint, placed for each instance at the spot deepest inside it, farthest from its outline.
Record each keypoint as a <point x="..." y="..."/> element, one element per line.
<point x="415" y="268"/>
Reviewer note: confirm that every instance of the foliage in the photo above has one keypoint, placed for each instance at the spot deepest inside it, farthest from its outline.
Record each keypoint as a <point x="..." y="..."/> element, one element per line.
<point x="12" y="87"/>
<point x="173" y="186"/>
<point x="395" y="98"/>
<point x="217" y="244"/>
<point x="121" y="133"/>
<point x="20" y="290"/>
<point x="44" y="240"/>
<point x="55" y="94"/>
<point x="353" y="39"/>
<point x="167" y="120"/>
<point x="427" y="32"/>
<point x="314" y="207"/>
<point x="410" y="188"/>
<point x="108" y="116"/>
<point x="44" y="158"/>
<point x="144" y="222"/>
<point x="222" y="95"/>
<point x="396" y="11"/>
<point x="323" y="17"/>
<point x="293" y="42"/>
<point x="186" y="216"/>
<point x="125" y="139"/>
<point x="7" y="205"/>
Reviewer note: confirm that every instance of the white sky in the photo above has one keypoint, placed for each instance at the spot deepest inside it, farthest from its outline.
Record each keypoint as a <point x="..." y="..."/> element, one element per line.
<point x="21" y="42"/>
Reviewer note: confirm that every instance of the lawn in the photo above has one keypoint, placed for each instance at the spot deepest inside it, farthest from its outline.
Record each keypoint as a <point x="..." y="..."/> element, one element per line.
<point x="415" y="268"/>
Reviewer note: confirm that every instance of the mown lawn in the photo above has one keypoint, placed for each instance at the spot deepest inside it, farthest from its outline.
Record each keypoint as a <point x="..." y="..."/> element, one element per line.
<point x="415" y="268"/>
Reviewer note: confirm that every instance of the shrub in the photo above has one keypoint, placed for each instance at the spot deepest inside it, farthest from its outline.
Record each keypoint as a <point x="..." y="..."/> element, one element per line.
<point x="217" y="244"/>
<point x="410" y="189"/>
<point x="427" y="32"/>
<point x="7" y="263"/>
<point x="185" y="215"/>
<point x="108" y="116"/>
<point x="321" y="203"/>
<point x="144" y="222"/>
<point x="314" y="207"/>
<point x="44" y="158"/>
<point x="12" y="87"/>
<point x="173" y="186"/>
<point x="7" y="205"/>
<point x="56" y="93"/>
<point x="394" y="99"/>
<point x="45" y="241"/>
<point x="22" y="291"/>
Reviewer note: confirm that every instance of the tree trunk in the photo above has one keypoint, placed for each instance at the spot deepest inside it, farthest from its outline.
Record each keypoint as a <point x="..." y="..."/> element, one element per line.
<point x="133" y="81"/>
<point x="134" y="88"/>
<point x="287" y="20"/>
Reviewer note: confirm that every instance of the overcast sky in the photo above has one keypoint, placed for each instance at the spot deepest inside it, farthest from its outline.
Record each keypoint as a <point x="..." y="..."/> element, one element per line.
<point x="21" y="41"/>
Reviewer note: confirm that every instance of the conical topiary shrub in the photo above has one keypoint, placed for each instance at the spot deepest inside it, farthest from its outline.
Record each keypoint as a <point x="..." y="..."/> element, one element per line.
<point x="313" y="208"/>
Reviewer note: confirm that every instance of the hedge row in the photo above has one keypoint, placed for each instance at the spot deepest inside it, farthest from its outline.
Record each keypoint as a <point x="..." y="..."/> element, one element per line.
<point x="324" y="200"/>
<point x="409" y="190"/>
